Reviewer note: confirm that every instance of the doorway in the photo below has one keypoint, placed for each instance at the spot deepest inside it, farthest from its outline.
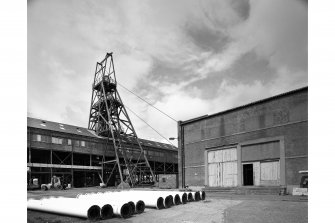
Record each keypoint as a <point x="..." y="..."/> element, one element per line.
<point x="248" y="175"/>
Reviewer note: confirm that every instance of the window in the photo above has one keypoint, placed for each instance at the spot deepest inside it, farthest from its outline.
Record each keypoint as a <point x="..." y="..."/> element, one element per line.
<point x="82" y="143"/>
<point x="55" y="140"/>
<point x="76" y="143"/>
<point x="69" y="142"/>
<point x="37" y="138"/>
<point x="40" y="138"/>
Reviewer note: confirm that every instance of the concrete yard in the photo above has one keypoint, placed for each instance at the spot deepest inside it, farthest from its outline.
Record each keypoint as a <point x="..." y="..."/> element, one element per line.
<point x="216" y="208"/>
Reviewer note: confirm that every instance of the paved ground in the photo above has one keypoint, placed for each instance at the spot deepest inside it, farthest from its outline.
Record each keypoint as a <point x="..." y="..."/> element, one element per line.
<point x="217" y="208"/>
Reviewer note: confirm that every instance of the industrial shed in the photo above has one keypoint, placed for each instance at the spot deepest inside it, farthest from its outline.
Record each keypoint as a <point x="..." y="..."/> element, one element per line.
<point x="76" y="154"/>
<point x="261" y="144"/>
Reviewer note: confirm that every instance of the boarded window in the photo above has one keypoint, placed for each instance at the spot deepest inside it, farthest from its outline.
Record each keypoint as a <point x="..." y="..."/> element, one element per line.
<point x="270" y="171"/>
<point x="37" y="138"/>
<point x="55" y="140"/>
<point x="40" y="138"/>
<point x="261" y="151"/>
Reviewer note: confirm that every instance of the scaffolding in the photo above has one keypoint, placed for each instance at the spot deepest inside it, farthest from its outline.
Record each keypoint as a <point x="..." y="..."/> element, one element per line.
<point x="109" y="118"/>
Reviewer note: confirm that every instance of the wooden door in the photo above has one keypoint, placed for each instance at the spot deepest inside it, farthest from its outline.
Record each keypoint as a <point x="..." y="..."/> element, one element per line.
<point x="222" y="168"/>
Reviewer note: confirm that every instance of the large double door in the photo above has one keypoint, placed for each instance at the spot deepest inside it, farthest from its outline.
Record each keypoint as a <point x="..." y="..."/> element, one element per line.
<point x="222" y="168"/>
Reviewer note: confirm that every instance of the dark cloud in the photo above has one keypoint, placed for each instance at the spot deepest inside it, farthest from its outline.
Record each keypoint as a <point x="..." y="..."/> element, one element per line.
<point x="165" y="72"/>
<point x="205" y="38"/>
<point x="242" y="7"/>
<point x="208" y="87"/>
<point x="250" y="68"/>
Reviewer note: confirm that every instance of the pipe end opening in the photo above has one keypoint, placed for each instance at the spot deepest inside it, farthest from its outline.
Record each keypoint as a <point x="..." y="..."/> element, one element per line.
<point x="189" y="197"/>
<point x="132" y="207"/>
<point x="125" y="211"/>
<point x="197" y="196"/>
<point x="106" y="211"/>
<point x="93" y="213"/>
<point x="160" y="203"/>
<point x="203" y="195"/>
<point x="168" y="201"/>
<point x="184" y="198"/>
<point x="177" y="199"/>
<point x="140" y="206"/>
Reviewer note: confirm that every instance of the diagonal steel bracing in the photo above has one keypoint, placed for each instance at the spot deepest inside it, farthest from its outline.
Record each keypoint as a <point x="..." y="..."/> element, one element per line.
<point x="109" y="118"/>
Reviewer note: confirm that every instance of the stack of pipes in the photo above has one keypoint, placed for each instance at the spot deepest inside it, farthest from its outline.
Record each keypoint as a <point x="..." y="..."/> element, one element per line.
<point x="125" y="203"/>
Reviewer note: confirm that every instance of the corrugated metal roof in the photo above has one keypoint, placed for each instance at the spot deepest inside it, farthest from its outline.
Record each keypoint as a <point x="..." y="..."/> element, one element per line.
<point x="246" y="105"/>
<point x="76" y="130"/>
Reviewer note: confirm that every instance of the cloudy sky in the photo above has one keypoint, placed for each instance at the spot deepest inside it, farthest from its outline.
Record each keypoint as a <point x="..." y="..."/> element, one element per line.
<point x="187" y="57"/>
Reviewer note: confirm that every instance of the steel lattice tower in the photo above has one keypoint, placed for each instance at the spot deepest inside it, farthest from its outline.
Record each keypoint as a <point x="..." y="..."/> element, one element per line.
<point x="109" y="118"/>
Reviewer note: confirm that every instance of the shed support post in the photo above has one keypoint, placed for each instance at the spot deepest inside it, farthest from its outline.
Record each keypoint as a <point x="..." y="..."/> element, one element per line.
<point x="181" y="170"/>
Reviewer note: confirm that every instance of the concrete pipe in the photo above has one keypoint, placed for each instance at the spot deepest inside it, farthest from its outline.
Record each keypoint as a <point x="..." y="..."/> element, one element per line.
<point x="202" y="195"/>
<point x="168" y="201"/>
<point x="183" y="197"/>
<point x="151" y="201"/>
<point x="189" y="196"/>
<point x="136" y="205"/>
<point x="66" y="206"/>
<point x="175" y="196"/>
<point x="140" y="206"/>
<point x="106" y="211"/>
<point x="196" y="195"/>
<point x="121" y="208"/>
<point x="132" y="207"/>
<point x="168" y="198"/>
<point x="176" y="199"/>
